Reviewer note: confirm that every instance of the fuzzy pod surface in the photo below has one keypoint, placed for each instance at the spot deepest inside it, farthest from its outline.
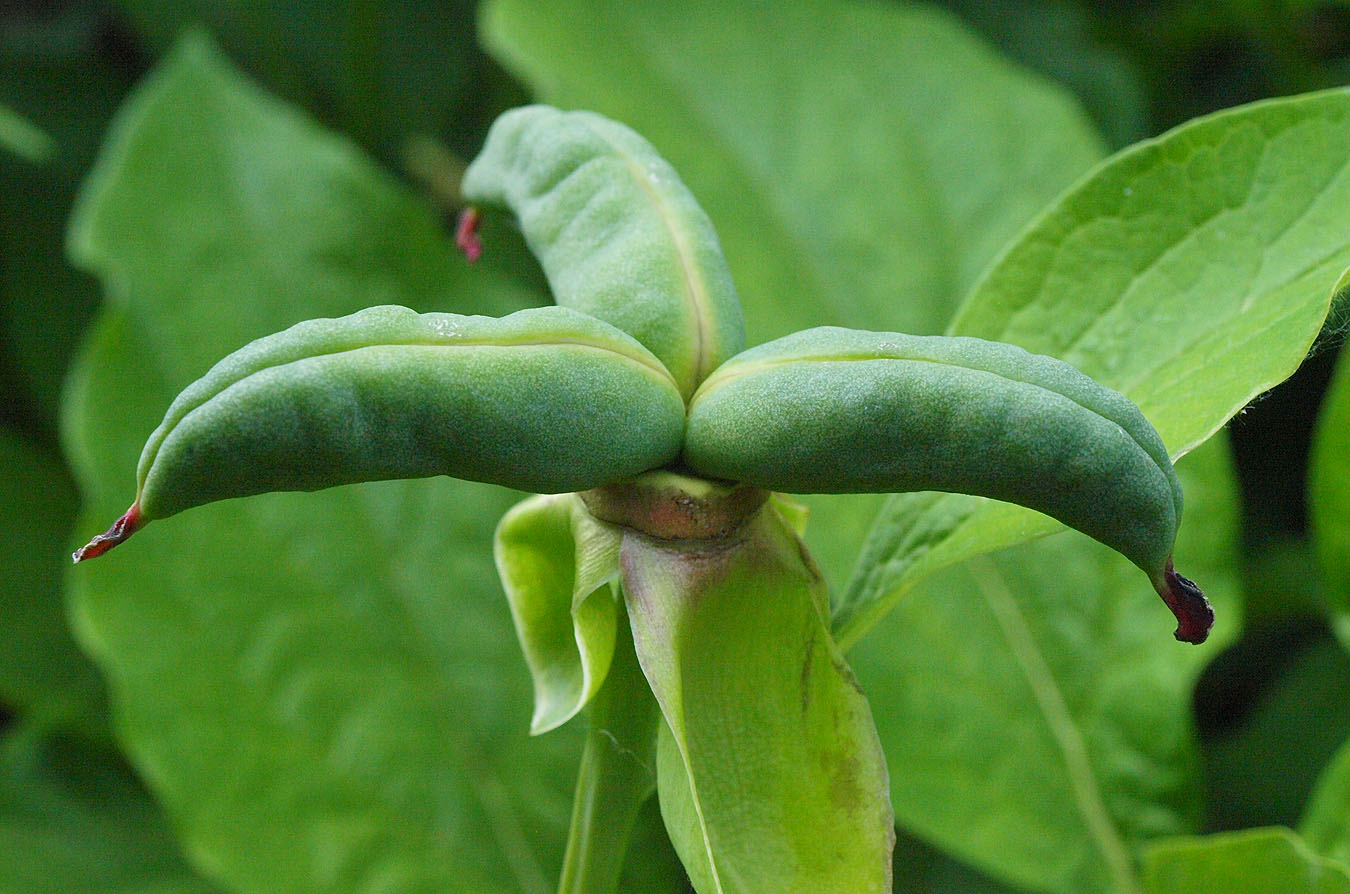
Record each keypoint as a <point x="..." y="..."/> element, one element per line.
<point x="545" y="399"/>
<point x="617" y="233"/>
<point x="834" y="410"/>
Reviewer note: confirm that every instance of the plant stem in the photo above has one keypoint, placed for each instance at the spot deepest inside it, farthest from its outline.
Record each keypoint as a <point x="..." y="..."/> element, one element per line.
<point x="617" y="775"/>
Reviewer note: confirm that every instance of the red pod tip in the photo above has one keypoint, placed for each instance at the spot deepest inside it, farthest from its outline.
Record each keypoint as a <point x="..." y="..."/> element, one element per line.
<point x="1194" y="614"/>
<point x="466" y="234"/>
<point x="130" y="522"/>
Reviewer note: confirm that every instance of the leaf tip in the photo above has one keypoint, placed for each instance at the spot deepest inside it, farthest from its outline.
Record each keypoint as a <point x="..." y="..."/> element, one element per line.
<point x="130" y="522"/>
<point x="1195" y="616"/>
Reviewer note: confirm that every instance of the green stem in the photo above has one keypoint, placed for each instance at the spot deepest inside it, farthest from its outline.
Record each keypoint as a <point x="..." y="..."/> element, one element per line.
<point x="617" y="775"/>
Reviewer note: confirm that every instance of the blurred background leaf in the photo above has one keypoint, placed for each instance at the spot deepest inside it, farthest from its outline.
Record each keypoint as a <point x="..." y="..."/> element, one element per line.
<point x="51" y="72"/>
<point x="1255" y="861"/>
<point x="324" y="689"/>
<point x="74" y="818"/>
<point x="1329" y="498"/>
<point x="378" y="70"/>
<point x="1061" y="41"/>
<point x="23" y="138"/>
<point x="853" y="179"/>
<point x="43" y="676"/>
<point x="1297" y="720"/>
<point x="1326" y="821"/>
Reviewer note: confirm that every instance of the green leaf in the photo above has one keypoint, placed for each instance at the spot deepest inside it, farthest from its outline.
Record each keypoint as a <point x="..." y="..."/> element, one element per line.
<point x="1326" y="820"/>
<point x="379" y="71"/>
<point x="877" y="221"/>
<point x="921" y="868"/>
<point x="560" y="567"/>
<point x="212" y="179"/>
<point x="1283" y="585"/>
<point x="43" y="675"/>
<point x="49" y="67"/>
<point x="1035" y="716"/>
<point x="1191" y="273"/>
<point x="769" y="771"/>
<point x="861" y="162"/>
<point x="73" y="818"/>
<point x="1253" y="861"/>
<point x="1261" y="764"/>
<point x="324" y="689"/>
<point x="23" y="138"/>
<point x="1063" y="42"/>
<point x="652" y="867"/>
<point x="1329" y="495"/>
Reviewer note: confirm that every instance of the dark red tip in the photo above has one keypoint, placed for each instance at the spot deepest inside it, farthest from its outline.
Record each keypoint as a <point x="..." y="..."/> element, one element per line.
<point x="466" y="234"/>
<point x="1194" y="614"/>
<point x="121" y="529"/>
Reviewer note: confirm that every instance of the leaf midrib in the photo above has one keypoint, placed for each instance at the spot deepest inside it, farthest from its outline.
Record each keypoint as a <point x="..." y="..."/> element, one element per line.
<point x="751" y="368"/>
<point x="161" y="434"/>
<point x="1059" y="721"/>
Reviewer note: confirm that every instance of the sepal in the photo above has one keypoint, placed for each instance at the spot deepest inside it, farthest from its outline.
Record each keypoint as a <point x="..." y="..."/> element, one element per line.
<point x="560" y="569"/>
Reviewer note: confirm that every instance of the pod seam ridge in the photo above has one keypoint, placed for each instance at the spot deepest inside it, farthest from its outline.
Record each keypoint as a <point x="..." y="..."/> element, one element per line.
<point x="759" y="367"/>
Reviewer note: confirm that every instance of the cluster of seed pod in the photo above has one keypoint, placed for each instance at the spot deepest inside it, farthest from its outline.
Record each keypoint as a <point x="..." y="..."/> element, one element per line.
<point x="642" y="366"/>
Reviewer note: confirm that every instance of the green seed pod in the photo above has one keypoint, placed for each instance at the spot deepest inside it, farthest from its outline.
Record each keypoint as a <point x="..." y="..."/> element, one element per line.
<point x="618" y="235"/>
<point x="839" y="411"/>
<point x="547" y="400"/>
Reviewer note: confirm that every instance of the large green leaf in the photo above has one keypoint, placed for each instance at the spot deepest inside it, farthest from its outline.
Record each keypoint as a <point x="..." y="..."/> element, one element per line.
<point x="323" y="689"/>
<point x="42" y="673"/>
<point x="1191" y="273"/>
<point x="1034" y="712"/>
<point x="861" y="162"/>
<point x="1061" y="41"/>
<point x="1329" y="496"/>
<point x="73" y="818"/>
<point x="1253" y="861"/>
